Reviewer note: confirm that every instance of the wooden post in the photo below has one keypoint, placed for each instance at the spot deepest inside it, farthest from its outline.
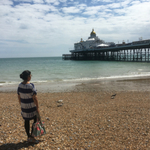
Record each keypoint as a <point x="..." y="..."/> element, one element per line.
<point x="141" y="55"/>
<point x="127" y="56"/>
<point x="124" y="55"/>
<point x="148" y="54"/>
<point x="137" y="55"/>
<point x="130" y="54"/>
<point x="133" y="54"/>
<point x="145" y="54"/>
<point x="117" y="55"/>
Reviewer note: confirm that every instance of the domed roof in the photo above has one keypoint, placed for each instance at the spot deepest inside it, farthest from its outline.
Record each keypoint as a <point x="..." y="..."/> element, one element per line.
<point x="93" y="32"/>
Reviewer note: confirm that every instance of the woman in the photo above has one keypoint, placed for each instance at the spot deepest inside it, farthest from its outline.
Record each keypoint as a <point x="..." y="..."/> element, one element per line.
<point x="28" y="101"/>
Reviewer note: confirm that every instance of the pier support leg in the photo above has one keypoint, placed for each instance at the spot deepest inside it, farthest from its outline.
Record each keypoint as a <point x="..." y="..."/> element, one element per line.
<point x="148" y="55"/>
<point x="145" y="54"/>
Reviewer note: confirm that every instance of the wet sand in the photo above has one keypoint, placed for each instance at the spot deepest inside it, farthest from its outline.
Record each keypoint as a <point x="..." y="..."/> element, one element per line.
<point x="90" y="118"/>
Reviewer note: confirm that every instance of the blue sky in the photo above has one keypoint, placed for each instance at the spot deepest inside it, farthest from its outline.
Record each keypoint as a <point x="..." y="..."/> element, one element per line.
<point x="39" y="28"/>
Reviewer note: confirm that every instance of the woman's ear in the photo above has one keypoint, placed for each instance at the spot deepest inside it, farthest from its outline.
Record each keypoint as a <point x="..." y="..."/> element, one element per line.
<point x="29" y="78"/>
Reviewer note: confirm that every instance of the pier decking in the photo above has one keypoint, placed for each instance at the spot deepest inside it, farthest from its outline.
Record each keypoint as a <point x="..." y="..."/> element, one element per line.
<point x="132" y="53"/>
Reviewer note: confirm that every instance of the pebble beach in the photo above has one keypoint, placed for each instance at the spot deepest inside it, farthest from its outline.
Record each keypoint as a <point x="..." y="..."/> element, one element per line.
<point x="93" y="115"/>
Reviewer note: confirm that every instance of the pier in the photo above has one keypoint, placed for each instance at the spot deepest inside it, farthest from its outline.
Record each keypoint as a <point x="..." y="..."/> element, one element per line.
<point x="129" y="53"/>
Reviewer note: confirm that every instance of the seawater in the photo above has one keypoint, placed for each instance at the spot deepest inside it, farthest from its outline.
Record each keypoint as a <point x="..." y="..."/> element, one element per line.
<point x="54" y="69"/>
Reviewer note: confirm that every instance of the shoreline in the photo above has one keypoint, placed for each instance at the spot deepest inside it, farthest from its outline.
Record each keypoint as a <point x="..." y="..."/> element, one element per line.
<point x="120" y="84"/>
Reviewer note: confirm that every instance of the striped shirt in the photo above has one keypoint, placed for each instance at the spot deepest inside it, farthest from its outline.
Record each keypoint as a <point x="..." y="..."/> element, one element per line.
<point x="28" y="107"/>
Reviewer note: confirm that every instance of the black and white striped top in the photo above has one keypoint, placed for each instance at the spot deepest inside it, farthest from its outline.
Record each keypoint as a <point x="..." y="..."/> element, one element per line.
<point x="28" y="107"/>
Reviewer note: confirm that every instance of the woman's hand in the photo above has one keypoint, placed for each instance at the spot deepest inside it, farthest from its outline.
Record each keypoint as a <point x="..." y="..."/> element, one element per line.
<point x="38" y="110"/>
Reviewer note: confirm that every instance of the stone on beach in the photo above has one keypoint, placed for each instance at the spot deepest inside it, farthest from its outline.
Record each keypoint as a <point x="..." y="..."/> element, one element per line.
<point x="59" y="101"/>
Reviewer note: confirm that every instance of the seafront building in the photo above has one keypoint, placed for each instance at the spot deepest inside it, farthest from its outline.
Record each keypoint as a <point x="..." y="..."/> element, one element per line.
<point x="92" y="42"/>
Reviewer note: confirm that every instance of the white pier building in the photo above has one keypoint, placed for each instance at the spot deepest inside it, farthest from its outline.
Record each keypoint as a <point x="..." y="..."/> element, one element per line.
<point x="92" y="42"/>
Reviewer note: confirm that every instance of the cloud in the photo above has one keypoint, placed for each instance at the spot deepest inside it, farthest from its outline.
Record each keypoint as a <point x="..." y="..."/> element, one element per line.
<point x="38" y="1"/>
<point x="114" y="5"/>
<point x="106" y="1"/>
<point x="6" y="2"/>
<point x="93" y="10"/>
<point x="54" y="2"/>
<point x="71" y="10"/>
<point x="51" y="27"/>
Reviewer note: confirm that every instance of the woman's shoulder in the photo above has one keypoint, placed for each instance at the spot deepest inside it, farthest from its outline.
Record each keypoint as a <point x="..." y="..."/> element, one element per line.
<point x="33" y="88"/>
<point x="20" y="84"/>
<point x="31" y="84"/>
<point x="28" y="85"/>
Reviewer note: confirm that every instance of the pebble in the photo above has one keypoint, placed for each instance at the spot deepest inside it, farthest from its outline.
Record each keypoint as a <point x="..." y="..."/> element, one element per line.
<point x="47" y="118"/>
<point x="1" y="141"/>
<point x="59" y="101"/>
<point x="94" y="127"/>
<point x="60" y="105"/>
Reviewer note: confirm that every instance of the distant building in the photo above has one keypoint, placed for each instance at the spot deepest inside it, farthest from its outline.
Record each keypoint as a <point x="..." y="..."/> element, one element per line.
<point x="92" y="42"/>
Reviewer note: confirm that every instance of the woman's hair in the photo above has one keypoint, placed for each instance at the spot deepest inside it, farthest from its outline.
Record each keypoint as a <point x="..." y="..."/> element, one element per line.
<point x="25" y="74"/>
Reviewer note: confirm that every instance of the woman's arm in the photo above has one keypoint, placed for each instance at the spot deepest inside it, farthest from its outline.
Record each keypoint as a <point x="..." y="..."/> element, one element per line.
<point x="36" y="102"/>
<point x="19" y="99"/>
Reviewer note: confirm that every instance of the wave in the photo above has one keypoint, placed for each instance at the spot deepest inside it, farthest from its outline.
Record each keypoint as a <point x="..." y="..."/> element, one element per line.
<point x="34" y="81"/>
<point x="131" y="75"/>
<point x="134" y="75"/>
<point x="8" y="83"/>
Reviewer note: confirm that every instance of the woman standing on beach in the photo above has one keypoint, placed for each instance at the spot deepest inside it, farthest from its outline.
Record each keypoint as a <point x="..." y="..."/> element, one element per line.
<point x="28" y="102"/>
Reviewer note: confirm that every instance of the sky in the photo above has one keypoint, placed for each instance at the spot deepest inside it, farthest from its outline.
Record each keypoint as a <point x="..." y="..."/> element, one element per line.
<point x="45" y="28"/>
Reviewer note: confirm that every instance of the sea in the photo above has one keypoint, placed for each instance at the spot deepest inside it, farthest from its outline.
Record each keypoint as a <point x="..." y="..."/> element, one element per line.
<point x="55" y="69"/>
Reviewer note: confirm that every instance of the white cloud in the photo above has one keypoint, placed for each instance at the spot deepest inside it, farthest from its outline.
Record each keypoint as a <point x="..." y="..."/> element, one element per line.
<point x="135" y="2"/>
<point x="47" y="27"/>
<point x="38" y="1"/>
<point x="71" y="10"/>
<point x="29" y="1"/>
<point x="93" y="10"/>
<point x="82" y="6"/>
<point x="6" y="2"/>
<point x="63" y="1"/>
<point x="106" y="1"/>
<point x="54" y="2"/>
<point x="114" y="5"/>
